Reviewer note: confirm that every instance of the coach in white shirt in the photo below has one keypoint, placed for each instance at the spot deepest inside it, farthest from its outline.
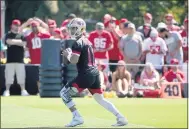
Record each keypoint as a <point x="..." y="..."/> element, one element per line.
<point x="155" y="49"/>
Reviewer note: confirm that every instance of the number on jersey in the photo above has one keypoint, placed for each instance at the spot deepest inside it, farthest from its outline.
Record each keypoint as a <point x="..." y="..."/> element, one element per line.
<point x="185" y="42"/>
<point x="36" y="43"/>
<point x="100" y="43"/>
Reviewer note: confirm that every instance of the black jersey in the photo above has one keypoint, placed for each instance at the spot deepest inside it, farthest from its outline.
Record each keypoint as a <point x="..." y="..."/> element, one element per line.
<point x="86" y="63"/>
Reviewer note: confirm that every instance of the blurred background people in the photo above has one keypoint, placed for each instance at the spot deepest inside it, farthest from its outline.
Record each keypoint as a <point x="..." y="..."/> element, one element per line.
<point x="34" y="42"/>
<point x="154" y="49"/>
<point x="169" y="20"/>
<point x="121" y="79"/>
<point x="184" y="34"/>
<point x="149" y="76"/>
<point x="15" y="54"/>
<point x="131" y="47"/>
<point x="174" y="43"/>
<point x="52" y="26"/>
<point x="174" y="74"/>
<point x="102" y="42"/>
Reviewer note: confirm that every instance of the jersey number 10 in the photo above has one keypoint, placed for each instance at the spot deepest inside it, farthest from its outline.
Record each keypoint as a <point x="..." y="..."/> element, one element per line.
<point x="36" y="43"/>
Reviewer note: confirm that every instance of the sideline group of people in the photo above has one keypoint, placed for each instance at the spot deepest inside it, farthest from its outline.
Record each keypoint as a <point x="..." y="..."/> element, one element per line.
<point x="114" y="41"/>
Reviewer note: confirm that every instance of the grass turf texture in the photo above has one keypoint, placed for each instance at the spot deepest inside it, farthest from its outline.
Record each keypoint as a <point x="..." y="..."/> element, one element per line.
<point x="33" y="111"/>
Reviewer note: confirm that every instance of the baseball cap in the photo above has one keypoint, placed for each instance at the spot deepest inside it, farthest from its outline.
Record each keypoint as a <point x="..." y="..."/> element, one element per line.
<point x="99" y="26"/>
<point x="34" y="23"/>
<point x="16" y="22"/>
<point x="129" y="25"/>
<point x="154" y="33"/>
<point x="174" y="61"/>
<point x="169" y="16"/>
<point x="148" y="15"/>
<point x="52" y="23"/>
<point x="161" y="25"/>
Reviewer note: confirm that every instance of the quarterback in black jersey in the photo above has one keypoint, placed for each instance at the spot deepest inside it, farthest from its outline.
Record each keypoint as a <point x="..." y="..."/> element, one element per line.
<point x="88" y="77"/>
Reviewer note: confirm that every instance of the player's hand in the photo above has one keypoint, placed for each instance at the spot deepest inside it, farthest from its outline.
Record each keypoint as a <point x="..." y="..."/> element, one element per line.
<point x="67" y="52"/>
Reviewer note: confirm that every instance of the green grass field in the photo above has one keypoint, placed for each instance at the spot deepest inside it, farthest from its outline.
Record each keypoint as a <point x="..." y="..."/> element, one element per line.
<point x="33" y="112"/>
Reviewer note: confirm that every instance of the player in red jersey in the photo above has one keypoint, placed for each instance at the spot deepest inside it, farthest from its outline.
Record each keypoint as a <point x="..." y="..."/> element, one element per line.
<point x="174" y="74"/>
<point x="102" y="42"/>
<point x="81" y="54"/>
<point x="34" y="42"/>
<point x="184" y="34"/>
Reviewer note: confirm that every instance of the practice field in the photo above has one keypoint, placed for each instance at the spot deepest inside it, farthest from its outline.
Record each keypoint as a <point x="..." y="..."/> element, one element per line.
<point x="33" y="112"/>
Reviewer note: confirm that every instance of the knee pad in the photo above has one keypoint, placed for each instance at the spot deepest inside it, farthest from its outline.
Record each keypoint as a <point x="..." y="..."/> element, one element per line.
<point x="67" y="92"/>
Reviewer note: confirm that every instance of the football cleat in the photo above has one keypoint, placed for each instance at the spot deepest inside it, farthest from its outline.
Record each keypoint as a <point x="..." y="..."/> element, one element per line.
<point x="121" y="121"/>
<point x="75" y="122"/>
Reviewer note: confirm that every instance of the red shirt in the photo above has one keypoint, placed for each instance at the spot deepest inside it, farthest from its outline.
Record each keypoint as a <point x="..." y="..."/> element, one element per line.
<point x="170" y="76"/>
<point x="102" y="41"/>
<point x="185" y="42"/>
<point x="115" y="53"/>
<point x="34" y="45"/>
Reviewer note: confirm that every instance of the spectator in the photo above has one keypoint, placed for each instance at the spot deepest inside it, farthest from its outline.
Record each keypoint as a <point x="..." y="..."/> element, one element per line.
<point x="170" y="23"/>
<point x="26" y="28"/>
<point x="15" y="54"/>
<point x="149" y="76"/>
<point x="174" y="43"/>
<point x="34" y="42"/>
<point x="57" y="34"/>
<point x="121" y="23"/>
<point x="102" y="42"/>
<point x="147" y="18"/>
<point x="184" y="34"/>
<point x="65" y="33"/>
<point x="114" y="54"/>
<point x="107" y="18"/>
<point x="145" y="29"/>
<point x="52" y="26"/>
<point x="121" y="79"/>
<point x="70" y="17"/>
<point x="131" y="47"/>
<point x="154" y="48"/>
<point x="174" y="74"/>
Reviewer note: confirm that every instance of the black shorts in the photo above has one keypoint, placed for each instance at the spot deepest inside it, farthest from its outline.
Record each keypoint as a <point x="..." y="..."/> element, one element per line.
<point x="113" y="67"/>
<point x="87" y="81"/>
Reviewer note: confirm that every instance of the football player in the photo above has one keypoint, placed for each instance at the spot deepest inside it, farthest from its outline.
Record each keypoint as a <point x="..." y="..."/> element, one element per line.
<point x="81" y="53"/>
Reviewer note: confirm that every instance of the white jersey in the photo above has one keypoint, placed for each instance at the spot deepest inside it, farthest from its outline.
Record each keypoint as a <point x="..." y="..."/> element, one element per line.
<point x="158" y="45"/>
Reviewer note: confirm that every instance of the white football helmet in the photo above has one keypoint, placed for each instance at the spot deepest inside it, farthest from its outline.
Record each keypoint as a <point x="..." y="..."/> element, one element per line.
<point x="76" y="27"/>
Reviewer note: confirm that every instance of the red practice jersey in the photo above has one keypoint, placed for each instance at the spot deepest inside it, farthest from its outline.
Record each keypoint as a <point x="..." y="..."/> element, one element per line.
<point x="185" y="44"/>
<point x="101" y="42"/>
<point x="34" y="46"/>
<point x="115" y="53"/>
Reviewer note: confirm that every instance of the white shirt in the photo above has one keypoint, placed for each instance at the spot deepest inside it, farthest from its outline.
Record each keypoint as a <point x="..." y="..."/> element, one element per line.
<point x="159" y="45"/>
